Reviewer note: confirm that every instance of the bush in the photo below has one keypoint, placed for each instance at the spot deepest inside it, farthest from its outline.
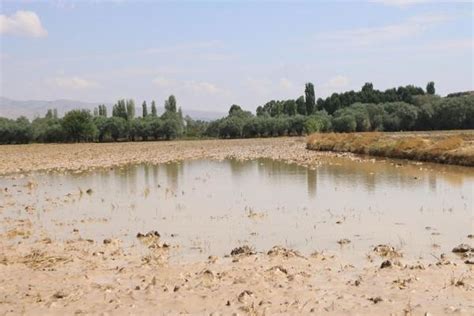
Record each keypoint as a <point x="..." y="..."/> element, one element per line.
<point x="318" y="122"/>
<point x="345" y="123"/>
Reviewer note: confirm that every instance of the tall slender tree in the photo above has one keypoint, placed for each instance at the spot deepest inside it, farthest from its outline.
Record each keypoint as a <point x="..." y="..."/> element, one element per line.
<point x="153" y="109"/>
<point x="130" y="109"/>
<point x="310" y="98"/>
<point x="144" y="109"/>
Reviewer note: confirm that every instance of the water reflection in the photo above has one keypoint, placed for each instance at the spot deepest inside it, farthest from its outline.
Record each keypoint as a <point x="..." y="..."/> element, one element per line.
<point x="212" y="206"/>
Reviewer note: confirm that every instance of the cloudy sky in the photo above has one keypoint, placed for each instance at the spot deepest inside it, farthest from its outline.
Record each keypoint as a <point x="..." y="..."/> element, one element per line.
<point x="216" y="53"/>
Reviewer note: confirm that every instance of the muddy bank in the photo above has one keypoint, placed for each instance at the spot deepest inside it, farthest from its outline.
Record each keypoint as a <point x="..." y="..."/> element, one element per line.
<point x="87" y="156"/>
<point x="81" y="277"/>
<point x="453" y="147"/>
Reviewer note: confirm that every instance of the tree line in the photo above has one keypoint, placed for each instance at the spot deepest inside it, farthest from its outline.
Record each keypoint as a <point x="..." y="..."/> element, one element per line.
<point x="84" y="126"/>
<point x="406" y="108"/>
<point x="399" y="109"/>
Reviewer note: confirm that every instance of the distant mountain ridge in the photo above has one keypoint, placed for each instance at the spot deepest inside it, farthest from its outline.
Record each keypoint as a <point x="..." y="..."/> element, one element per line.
<point x="11" y="108"/>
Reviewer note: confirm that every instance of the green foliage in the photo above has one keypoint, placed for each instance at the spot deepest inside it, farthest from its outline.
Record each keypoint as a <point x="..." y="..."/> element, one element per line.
<point x="195" y="128"/>
<point x="153" y="127"/>
<point x="47" y="129"/>
<point x="369" y="95"/>
<point x="344" y="123"/>
<point x="397" y="109"/>
<point x="117" y="127"/>
<point x="318" y="122"/>
<point x="130" y="110"/>
<point x="144" y="109"/>
<point x="170" y="128"/>
<point x="154" y="113"/>
<point x="296" y="125"/>
<point x="430" y="88"/>
<point x="360" y="114"/>
<point x="120" y="109"/>
<point x="231" y="127"/>
<point x="100" y="123"/>
<point x="310" y="98"/>
<point x="400" y="116"/>
<point x="170" y="104"/>
<point x="78" y="126"/>
<point x="212" y="129"/>
<point x="301" y="105"/>
<point x="454" y="113"/>
<point x="289" y="107"/>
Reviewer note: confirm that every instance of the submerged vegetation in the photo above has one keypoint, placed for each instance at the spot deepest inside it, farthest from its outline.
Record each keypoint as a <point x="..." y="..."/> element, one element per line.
<point x="406" y="108"/>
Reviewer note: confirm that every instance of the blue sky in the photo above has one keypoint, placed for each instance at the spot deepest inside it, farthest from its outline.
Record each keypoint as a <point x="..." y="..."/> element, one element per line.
<point x="213" y="54"/>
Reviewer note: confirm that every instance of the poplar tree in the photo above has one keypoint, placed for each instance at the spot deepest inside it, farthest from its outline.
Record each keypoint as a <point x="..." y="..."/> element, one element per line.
<point x="310" y="98"/>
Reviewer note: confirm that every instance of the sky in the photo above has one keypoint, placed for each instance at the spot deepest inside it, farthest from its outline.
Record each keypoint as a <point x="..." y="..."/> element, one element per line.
<point x="212" y="54"/>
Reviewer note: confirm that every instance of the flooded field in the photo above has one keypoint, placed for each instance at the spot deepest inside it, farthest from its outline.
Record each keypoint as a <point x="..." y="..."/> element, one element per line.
<point x="207" y="207"/>
<point x="70" y="217"/>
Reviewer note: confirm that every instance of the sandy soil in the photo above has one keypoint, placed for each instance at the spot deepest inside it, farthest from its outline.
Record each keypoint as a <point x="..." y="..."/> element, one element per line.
<point x="80" y="276"/>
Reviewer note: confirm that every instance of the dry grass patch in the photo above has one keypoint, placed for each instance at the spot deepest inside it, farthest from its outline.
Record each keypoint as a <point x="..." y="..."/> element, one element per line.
<point x="443" y="147"/>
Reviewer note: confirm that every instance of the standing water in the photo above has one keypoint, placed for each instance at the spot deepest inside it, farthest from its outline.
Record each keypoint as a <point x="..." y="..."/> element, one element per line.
<point x="207" y="207"/>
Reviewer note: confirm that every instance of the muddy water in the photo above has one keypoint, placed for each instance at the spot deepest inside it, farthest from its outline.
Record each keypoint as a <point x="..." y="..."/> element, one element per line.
<point x="208" y="207"/>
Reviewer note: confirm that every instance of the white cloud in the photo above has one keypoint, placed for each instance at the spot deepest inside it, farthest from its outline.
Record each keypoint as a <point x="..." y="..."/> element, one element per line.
<point x="163" y="82"/>
<point x="192" y="86"/>
<point x="338" y="82"/>
<point x="286" y="84"/>
<point x="378" y="34"/>
<point x="24" y="23"/>
<point x="73" y="83"/>
<point x="201" y="87"/>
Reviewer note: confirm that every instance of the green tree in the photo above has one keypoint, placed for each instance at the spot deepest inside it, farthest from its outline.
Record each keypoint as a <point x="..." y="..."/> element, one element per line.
<point x="345" y="123"/>
<point x="170" y="104"/>
<point x="120" y="109"/>
<point x="100" y="123"/>
<point x="296" y="125"/>
<point x="47" y="129"/>
<point x="154" y="113"/>
<point x="318" y="122"/>
<point x="78" y="126"/>
<point x="430" y="88"/>
<point x="117" y="127"/>
<point x="144" y="109"/>
<point x="170" y="128"/>
<point x="22" y="131"/>
<point x="301" y="106"/>
<point x="289" y="107"/>
<point x="102" y="110"/>
<point x="130" y="110"/>
<point x="400" y="116"/>
<point x="310" y="98"/>
<point x="231" y="127"/>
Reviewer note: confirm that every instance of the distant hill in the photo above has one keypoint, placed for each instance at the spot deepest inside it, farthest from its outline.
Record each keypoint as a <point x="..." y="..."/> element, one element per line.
<point x="33" y="108"/>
